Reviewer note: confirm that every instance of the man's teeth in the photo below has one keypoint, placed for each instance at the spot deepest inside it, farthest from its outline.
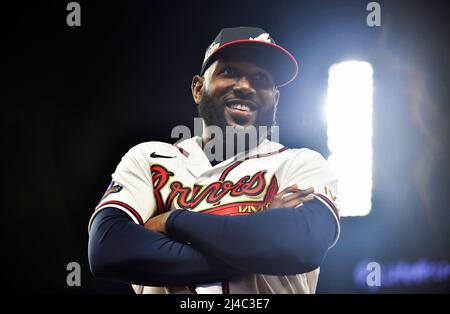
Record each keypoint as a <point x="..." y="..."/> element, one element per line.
<point x="240" y="107"/>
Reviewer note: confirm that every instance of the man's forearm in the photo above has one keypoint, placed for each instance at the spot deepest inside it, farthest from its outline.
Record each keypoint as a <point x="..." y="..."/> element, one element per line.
<point x="121" y="250"/>
<point x="281" y="241"/>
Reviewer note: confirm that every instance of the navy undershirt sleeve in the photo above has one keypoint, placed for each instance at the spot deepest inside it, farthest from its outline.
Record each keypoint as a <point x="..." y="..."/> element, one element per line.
<point x="121" y="250"/>
<point x="282" y="241"/>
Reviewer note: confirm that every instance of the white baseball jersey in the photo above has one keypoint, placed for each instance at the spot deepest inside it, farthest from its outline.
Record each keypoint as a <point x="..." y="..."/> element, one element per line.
<point x="156" y="176"/>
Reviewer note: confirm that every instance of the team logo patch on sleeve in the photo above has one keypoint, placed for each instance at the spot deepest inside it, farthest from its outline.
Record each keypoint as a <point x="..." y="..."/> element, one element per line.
<point x="112" y="188"/>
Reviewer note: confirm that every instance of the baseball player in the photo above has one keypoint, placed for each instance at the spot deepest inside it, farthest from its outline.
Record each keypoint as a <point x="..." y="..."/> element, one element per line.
<point x="175" y="221"/>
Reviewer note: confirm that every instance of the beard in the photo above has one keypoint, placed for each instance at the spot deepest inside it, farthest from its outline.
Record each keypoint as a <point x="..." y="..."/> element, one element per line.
<point x="213" y="114"/>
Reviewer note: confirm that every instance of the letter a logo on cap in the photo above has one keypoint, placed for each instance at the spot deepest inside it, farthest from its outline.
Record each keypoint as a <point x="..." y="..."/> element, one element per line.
<point x="262" y="37"/>
<point x="210" y="50"/>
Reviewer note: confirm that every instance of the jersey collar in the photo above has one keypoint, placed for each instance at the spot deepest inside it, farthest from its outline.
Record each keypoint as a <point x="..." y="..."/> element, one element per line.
<point x="198" y="163"/>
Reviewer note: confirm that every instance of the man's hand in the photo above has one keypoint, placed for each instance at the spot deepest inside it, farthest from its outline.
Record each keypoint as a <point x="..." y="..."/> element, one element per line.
<point x="297" y="197"/>
<point x="281" y="200"/>
<point x="158" y="223"/>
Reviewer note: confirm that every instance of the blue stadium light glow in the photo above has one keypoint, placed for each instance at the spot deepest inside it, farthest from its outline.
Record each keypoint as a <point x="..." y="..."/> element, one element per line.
<point x="349" y="118"/>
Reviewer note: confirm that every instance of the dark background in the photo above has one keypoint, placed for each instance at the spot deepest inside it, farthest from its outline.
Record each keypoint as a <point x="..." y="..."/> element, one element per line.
<point x="77" y="98"/>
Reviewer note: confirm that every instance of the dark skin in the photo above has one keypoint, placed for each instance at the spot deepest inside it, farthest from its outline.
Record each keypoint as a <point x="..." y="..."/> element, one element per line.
<point x="230" y="81"/>
<point x="237" y="81"/>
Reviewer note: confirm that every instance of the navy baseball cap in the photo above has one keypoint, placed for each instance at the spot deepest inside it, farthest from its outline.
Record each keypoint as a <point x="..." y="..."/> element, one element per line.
<point x="260" y="45"/>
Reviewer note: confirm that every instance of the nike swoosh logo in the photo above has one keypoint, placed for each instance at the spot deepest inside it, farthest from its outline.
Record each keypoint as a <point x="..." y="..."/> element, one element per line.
<point x="154" y="155"/>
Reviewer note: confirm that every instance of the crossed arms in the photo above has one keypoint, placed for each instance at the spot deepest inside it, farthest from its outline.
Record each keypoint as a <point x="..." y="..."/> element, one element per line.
<point x="187" y="248"/>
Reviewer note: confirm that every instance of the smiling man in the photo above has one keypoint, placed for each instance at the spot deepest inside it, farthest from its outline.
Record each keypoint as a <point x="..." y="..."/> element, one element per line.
<point x="237" y="86"/>
<point x="175" y="220"/>
<point x="236" y="91"/>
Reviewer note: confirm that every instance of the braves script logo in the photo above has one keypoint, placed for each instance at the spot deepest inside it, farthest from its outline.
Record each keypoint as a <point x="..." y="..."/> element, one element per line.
<point x="189" y="198"/>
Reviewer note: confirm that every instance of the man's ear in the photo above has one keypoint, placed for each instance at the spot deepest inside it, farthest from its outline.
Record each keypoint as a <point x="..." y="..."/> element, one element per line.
<point x="196" y="88"/>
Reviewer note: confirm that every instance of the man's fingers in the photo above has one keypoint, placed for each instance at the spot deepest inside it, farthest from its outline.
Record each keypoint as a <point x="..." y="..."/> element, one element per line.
<point x="289" y="189"/>
<point x="297" y="201"/>
<point x="293" y="203"/>
<point x="299" y="194"/>
<point x="305" y="192"/>
<point x="308" y="198"/>
<point x="296" y="197"/>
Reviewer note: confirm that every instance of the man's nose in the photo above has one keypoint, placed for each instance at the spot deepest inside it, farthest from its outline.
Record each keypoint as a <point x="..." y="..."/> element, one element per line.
<point x="243" y="88"/>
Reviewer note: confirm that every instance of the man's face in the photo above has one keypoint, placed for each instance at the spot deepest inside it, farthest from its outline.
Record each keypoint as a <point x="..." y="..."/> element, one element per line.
<point x="236" y="93"/>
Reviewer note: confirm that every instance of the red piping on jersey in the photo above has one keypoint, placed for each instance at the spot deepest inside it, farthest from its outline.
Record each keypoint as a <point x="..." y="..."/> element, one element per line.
<point x="237" y="163"/>
<point x="185" y="153"/>
<point x="330" y="203"/>
<point x="128" y="207"/>
<point x="267" y="154"/>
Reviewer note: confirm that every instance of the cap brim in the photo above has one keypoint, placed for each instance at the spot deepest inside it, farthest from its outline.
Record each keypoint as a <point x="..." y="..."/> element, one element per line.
<point x="280" y="62"/>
